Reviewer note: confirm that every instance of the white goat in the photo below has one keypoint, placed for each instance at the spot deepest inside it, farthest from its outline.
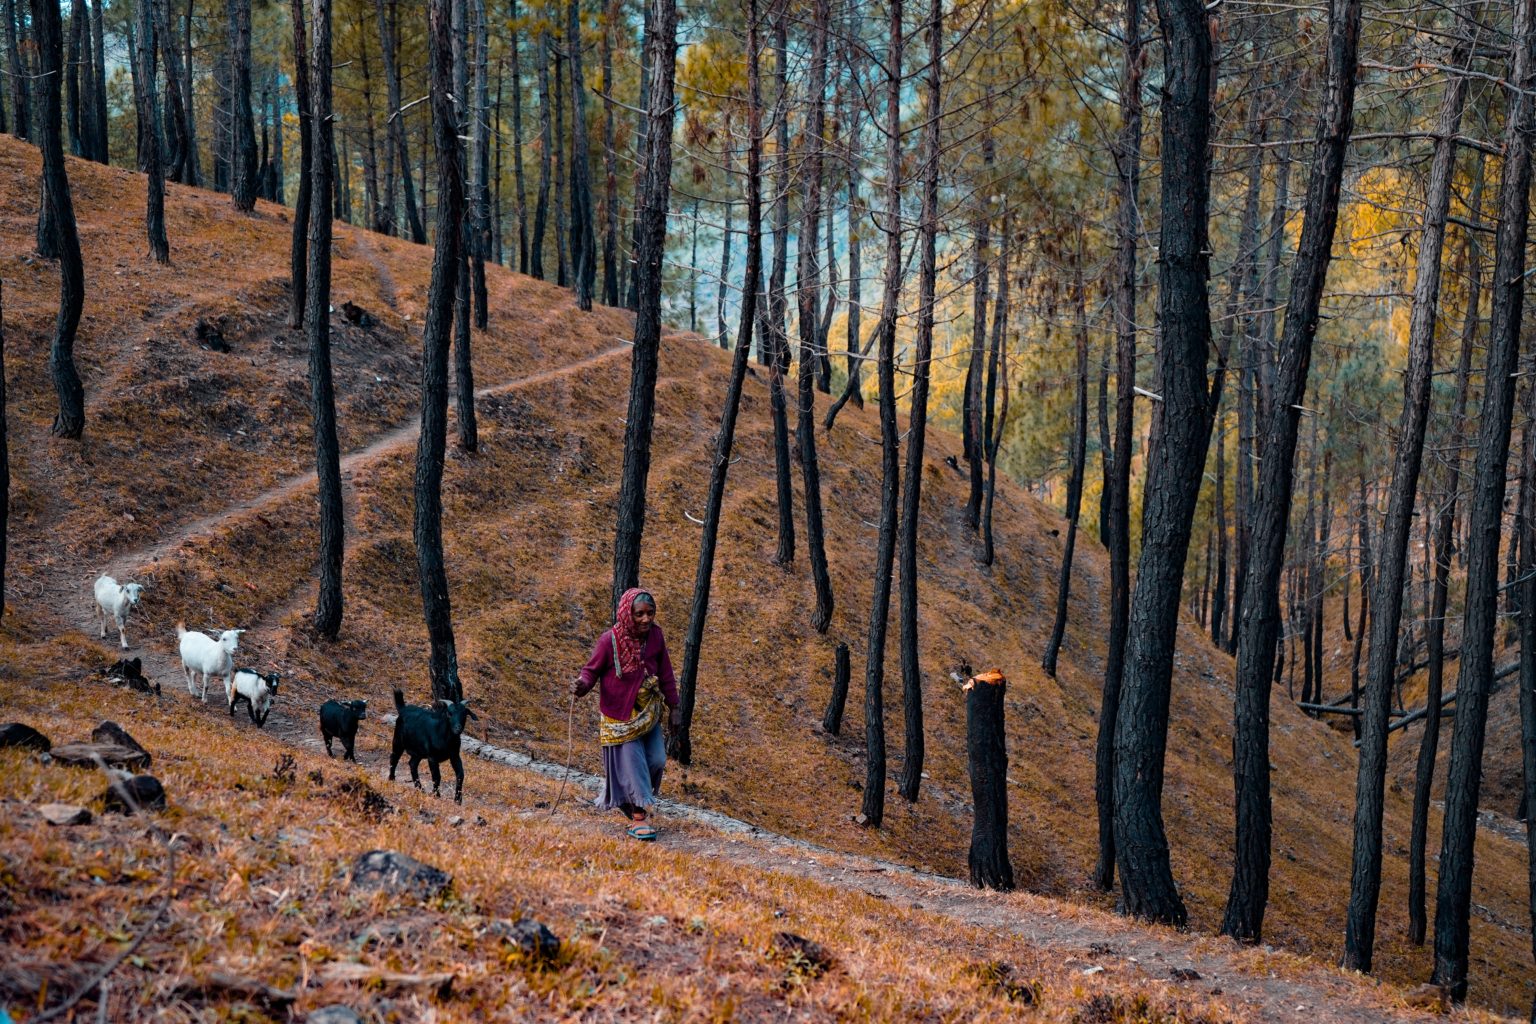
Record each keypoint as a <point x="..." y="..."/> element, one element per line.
<point x="116" y="601"/>
<point x="256" y="690"/>
<point x="202" y="653"/>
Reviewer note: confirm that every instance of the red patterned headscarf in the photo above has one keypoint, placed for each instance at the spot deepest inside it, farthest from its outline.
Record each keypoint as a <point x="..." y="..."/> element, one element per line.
<point x="628" y="640"/>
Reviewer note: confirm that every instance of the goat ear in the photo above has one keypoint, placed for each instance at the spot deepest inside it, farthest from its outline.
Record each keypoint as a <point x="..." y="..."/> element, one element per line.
<point x="471" y="714"/>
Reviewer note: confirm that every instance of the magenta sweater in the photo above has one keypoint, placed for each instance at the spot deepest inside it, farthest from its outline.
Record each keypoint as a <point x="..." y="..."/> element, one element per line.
<point x="617" y="693"/>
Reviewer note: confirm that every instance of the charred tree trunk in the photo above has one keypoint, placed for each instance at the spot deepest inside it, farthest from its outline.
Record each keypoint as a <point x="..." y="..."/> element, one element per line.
<point x="21" y="93"/>
<point x="480" y="153"/>
<point x="854" y="389"/>
<point x="317" y="320"/>
<point x="994" y="419"/>
<point x="1365" y="881"/>
<point x="680" y="742"/>
<point x="191" y="169"/>
<point x="1258" y="629"/>
<point x="562" y="251"/>
<point x="1128" y="185"/>
<point x="1181" y="432"/>
<point x="912" y="484"/>
<point x="651" y="223"/>
<point x="149" y="120"/>
<point x="1453" y="899"/>
<point x="583" y="236"/>
<point x="986" y="748"/>
<point x="77" y="85"/>
<point x="447" y="258"/>
<point x="46" y="36"/>
<point x="242" y="153"/>
<point x="1079" y="457"/>
<point x="546" y="148"/>
<point x="611" y="17"/>
<point x="98" y="112"/>
<point x="777" y="311"/>
<point x="519" y="183"/>
<point x="885" y="550"/>
<point x="175" y="103"/>
<point x="298" y="274"/>
<point x="808" y="295"/>
<point x="1527" y="636"/>
<point x="1445" y="529"/>
<point x="395" y="126"/>
<point x="5" y="472"/>
<point x="832" y="720"/>
<point x="1219" y="592"/>
<point x="722" y="329"/>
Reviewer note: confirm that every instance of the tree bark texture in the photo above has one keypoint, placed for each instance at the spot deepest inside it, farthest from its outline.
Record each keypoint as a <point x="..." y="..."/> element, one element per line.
<point x="651" y="230"/>
<point x="317" y="320"/>
<point x="21" y="98"/>
<point x="777" y="311"/>
<point x="1259" y="626"/>
<point x="242" y="154"/>
<point x="1445" y="528"/>
<point x="986" y="749"/>
<point x="546" y="148"/>
<point x="885" y="547"/>
<point x="431" y="443"/>
<point x="46" y="36"/>
<point x="911" y="490"/>
<point x="1128" y="185"/>
<point x="832" y="719"/>
<point x="1181" y="430"/>
<point x="1079" y="456"/>
<point x="995" y="418"/>
<point x="583" y="235"/>
<point x="679" y="744"/>
<point x="298" y="254"/>
<point x="149" y="120"/>
<point x="1381" y="666"/>
<point x="1453" y="898"/>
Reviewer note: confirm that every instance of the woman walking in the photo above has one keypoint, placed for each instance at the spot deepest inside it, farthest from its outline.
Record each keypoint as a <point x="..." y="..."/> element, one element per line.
<point x="633" y="674"/>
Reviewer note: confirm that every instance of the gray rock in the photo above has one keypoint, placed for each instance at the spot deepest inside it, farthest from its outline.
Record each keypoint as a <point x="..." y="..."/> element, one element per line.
<point x="65" y="814"/>
<point x="90" y="755"/>
<point x="531" y="937"/>
<point x="112" y="733"/>
<point x="139" y="793"/>
<point x="334" y="1014"/>
<point x="395" y="872"/>
<point x="15" y="734"/>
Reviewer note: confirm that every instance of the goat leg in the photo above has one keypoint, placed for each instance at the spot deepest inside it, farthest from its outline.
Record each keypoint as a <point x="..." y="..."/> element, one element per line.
<point x="458" y="778"/>
<point x="437" y="777"/>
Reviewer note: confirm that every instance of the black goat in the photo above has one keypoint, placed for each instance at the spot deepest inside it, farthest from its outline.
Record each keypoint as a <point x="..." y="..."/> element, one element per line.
<point x="430" y="733"/>
<point x="338" y="720"/>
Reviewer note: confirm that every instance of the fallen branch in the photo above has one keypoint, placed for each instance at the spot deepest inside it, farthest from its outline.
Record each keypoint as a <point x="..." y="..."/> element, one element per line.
<point x="1414" y="716"/>
<point x="124" y="953"/>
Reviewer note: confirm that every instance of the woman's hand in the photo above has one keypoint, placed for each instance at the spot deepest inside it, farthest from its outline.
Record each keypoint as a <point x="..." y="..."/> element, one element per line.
<point x="675" y="718"/>
<point x="576" y="687"/>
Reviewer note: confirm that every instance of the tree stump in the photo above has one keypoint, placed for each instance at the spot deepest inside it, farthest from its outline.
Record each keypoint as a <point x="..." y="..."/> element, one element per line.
<point x="990" y="868"/>
<point x="832" y="721"/>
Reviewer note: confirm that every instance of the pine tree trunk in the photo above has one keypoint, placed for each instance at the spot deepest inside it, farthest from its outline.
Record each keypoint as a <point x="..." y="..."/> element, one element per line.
<point x="885" y="548"/>
<point x="562" y="214"/>
<point x="1181" y="431"/>
<point x="583" y="236"/>
<point x="546" y="148"/>
<point x="722" y="329"/>
<point x="1219" y="592"/>
<point x="911" y="489"/>
<point x="317" y="317"/>
<point x="611" y="17"/>
<point x="1453" y="899"/>
<point x="680" y="742"/>
<point x="5" y="463"/>
<point x="21" y="99"/>
<point x="1128" y="178"/>
<point x="986" y="749"/>
<point x="981" y="266"/>
<point x="832" y="719"/>
<point x="149" y="118"/>
<point x="777" y="311"/>
<point x="46" y="35"/>
<point x="480" y="154"/>
<point x="242" y="154"/>
<point x="77" y="86"/>
<point x="855" y="158"/>
<point x="1445" y="528"/>
<point x="298" y="253"/>
<point x="447" y="259"/>
<point x="395" y="126"/>
<point x="98" y="112"/>
<point x="193" y="174"/>
<point x="1258" y="628"/>
<point x="519" y="183"/>
<point x="642" y="146"/>
<point x="995" y="419"/>
<point x="651" y="222"/>
<point x="808" y="295"/>
<point x="1079" y="457"/>
<point x="175" y="103"/>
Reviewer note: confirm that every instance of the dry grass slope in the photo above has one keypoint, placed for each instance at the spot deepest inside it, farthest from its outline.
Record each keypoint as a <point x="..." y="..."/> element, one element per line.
<point x="176" y="433"/>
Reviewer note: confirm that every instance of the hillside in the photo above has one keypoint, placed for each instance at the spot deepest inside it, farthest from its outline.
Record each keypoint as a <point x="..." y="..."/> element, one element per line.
<point x="192" y="480"/>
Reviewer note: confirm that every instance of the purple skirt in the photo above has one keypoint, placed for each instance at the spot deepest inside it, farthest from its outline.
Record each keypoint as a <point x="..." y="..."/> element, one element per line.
<point x="632" y="771"/>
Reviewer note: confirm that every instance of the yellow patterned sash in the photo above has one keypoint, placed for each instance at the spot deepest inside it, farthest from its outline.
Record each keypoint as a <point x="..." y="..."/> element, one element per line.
<point x="647" y="714"/>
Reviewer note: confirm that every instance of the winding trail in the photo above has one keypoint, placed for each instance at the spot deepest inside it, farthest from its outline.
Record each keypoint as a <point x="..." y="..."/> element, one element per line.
<point x="1080" y="937"/>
